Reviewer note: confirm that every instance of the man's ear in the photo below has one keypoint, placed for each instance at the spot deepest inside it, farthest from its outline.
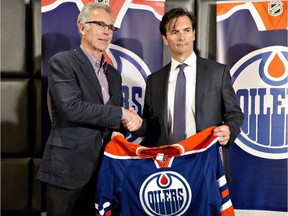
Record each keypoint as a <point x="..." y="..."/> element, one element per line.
<point x="81" y="27"/>
<point x="164" y="40"/>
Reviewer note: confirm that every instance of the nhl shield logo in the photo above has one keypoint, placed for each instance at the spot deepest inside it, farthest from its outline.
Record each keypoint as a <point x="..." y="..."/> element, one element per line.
<point x="165" y="193"/>
<point x="260" y="80"/>
<point x="275" y="8"/>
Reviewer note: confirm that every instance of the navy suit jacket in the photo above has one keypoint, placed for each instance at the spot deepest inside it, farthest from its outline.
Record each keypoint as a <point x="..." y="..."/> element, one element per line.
<point x="215" y="103"/>
<point x="81" y="123"/>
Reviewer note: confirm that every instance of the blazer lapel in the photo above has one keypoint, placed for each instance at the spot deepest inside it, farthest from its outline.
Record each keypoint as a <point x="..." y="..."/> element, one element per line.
<point x="111" y="81"/>
<point x="88" y="71"/>
<point x="164" y="78"/>
<point x="201" y="76"/>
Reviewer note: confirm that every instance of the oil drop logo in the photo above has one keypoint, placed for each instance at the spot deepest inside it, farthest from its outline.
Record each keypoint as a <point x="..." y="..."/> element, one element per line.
<point x="165" y="193"/>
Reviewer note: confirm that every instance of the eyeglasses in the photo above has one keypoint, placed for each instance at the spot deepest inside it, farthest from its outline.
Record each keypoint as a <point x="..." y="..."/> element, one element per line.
<point x="102" y="25"/>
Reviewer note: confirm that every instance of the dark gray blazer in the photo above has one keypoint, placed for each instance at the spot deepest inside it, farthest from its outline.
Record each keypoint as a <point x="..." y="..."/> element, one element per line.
<point x="81" y="123"/>
<point x="215" y="104"/>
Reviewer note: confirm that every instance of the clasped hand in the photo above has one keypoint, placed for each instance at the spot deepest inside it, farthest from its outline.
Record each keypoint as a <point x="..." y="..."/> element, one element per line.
<point x="132" y="120"/>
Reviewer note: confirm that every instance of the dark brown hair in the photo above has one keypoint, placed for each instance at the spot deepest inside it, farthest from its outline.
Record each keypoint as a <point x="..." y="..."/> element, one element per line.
<point x="175" y="13"/>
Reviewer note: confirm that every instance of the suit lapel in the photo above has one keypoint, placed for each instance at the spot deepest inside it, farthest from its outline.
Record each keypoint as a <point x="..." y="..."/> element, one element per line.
<point x="164" y="78"/>
<point x="111" y="81"/>
<point x="201" y="76"/>
<point x="88" y="71"/>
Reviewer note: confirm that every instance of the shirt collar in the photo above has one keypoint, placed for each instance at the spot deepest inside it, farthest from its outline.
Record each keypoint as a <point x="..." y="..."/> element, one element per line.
<point x="190" y="61"/>
<point x="94" y="61"/>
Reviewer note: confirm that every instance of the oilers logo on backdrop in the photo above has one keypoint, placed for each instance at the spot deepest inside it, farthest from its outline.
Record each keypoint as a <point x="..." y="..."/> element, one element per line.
<point x="134" y="73"/>
<point x="260" y="80"/>
<point x="165" y="193"/>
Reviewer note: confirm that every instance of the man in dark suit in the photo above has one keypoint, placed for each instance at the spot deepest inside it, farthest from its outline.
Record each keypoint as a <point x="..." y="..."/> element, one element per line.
<point x="86" y="106"/>
<point x="209" y="96"/>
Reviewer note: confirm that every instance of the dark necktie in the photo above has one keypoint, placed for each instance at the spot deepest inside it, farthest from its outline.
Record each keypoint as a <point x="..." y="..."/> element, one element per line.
<point x="179" y="125"/>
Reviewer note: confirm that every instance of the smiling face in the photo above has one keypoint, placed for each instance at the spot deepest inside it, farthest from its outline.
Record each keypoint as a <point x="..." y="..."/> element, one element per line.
<point x="95" y="39"/>
<point x="179" y="38"/>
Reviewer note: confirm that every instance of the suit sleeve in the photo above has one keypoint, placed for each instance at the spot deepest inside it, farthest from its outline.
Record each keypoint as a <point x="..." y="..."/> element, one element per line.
<point x="150" y="128"/>
<point x="232" y="116"/>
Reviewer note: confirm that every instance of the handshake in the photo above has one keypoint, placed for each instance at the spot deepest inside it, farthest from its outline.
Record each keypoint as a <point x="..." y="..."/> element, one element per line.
<point x="132" y="121"/>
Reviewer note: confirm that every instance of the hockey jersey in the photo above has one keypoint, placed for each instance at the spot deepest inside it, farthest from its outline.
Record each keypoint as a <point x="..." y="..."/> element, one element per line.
<point x="184" y="179"/>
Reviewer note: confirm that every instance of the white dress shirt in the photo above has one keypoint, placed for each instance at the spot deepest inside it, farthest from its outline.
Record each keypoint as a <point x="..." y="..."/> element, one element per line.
<point x="190" y="74"/>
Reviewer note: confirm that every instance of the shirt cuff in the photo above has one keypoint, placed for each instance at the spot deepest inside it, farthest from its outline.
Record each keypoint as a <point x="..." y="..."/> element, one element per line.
<point x="123" y="114"/>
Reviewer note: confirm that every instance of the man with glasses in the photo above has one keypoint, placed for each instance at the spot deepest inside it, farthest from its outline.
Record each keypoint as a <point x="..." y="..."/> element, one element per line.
<point x="86" y="104"/>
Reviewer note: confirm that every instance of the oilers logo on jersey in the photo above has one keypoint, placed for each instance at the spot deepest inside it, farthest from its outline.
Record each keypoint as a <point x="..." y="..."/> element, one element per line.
<point x="165" y="193"/>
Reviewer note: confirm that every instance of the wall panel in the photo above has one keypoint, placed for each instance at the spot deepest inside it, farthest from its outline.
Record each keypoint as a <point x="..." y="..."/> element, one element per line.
<point x="21" y="143"/>
<point x="15" y="119"/>
<point x="13" y="38"/>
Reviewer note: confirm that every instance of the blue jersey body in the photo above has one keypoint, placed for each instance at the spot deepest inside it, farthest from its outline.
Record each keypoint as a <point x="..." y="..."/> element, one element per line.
<point x="180" y="179"/>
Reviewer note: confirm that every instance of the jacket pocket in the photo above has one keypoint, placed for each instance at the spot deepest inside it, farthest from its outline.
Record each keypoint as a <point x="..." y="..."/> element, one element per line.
<point x="63" y="142"/>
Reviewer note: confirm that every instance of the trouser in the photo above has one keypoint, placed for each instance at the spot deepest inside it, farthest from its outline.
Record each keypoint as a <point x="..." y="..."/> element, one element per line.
<point x="71" y="202"/>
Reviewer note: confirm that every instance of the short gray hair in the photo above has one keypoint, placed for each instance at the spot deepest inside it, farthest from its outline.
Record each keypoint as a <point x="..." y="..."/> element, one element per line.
<point x="88" y="8"/>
